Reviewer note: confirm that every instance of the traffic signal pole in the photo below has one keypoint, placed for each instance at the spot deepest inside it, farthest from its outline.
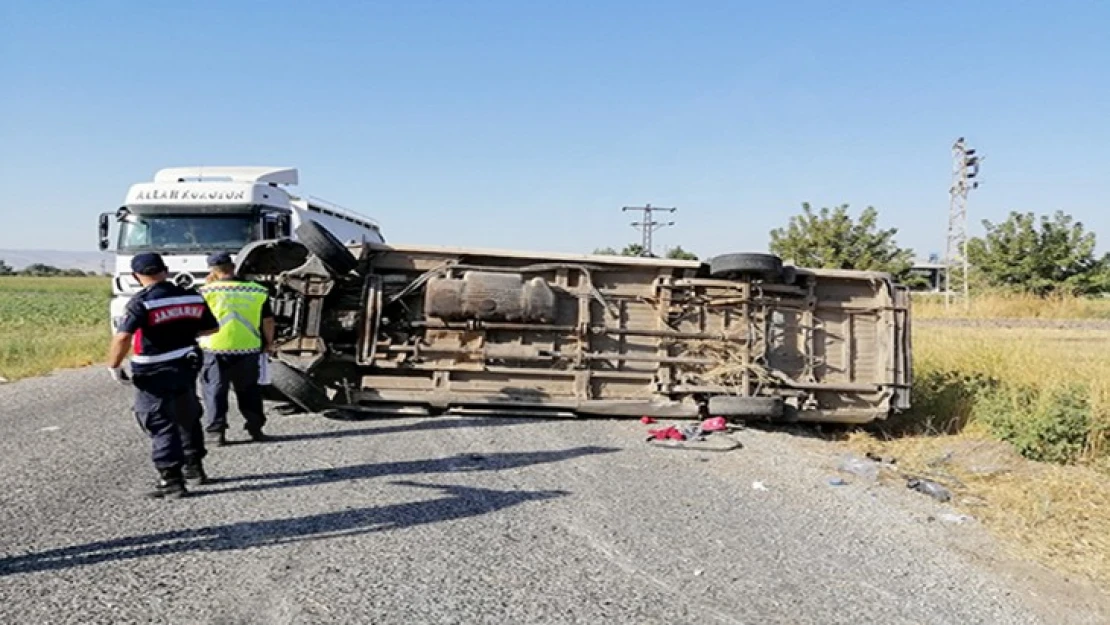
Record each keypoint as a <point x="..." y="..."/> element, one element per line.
<point x="965" y="168"/>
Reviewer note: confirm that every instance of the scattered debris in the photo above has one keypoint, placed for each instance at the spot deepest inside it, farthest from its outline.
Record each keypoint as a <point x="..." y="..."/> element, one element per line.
<point x="759" y="486"/>
<point x="646" y="420"/>
<point x="867" y="469"/>
<point x="949" y="517"/>
<point x="880" y="459"/>
<point x="716" y="424"/>
<point x="929" y="487"/>
<point x="668" y="433"/>
<point x="837" y="481"/>
<point x="709" y="435"/>
<point x="50" y="428"/>
<point x="713" y="443"/>
<point x="698" y="573"/>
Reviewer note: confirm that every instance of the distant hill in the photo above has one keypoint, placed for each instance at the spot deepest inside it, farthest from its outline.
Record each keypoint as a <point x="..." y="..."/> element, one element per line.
<point x="85" y="261"/>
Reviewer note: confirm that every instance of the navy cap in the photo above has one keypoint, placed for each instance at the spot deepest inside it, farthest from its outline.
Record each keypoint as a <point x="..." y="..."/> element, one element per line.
<point x="219" y="258"/>
<point x="148" y="264"/>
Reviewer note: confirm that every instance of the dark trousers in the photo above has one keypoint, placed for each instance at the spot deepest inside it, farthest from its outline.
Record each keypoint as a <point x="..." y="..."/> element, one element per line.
<point x="167" y="409"/>
<point x="221" y="372"/>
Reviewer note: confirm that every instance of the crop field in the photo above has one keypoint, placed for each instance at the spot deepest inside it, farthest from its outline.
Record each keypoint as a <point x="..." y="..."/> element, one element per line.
<point x="51" y="323"/>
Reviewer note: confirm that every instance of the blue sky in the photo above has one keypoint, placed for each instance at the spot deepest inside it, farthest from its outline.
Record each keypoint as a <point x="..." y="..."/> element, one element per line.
<point x="528" y="124"/>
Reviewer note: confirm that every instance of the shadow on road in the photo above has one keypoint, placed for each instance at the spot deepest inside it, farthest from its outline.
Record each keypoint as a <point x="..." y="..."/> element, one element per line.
<point x="462" y="463"/>
<point x="433" y="423"/>
<point x="459" y="502"/>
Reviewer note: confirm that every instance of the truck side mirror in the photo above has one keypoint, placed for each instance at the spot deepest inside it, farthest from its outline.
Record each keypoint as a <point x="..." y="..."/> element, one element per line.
<point x="103" y="229"/>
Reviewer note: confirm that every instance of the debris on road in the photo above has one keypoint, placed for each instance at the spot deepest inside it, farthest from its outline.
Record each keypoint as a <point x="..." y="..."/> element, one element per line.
<point x="668" y="433"/>
<point x="646" y="420"/>
<point x="50" y="428"/>
<point x="837" y="481"/>
<point x="709" y="435"/>
<point x="880" y="459"/>
<point x="865" y="468"/>
<point x="929" y="487"/>
<point x="759" y="486"/>
<point x="957" y="519"/>
<point x="716" y="424"/>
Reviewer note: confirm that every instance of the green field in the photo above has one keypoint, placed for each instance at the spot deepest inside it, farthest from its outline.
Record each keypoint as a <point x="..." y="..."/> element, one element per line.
<point x="51" y="323"/>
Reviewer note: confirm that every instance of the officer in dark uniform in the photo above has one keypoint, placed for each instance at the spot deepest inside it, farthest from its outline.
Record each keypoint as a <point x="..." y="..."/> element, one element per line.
<point x="160" y="328"/>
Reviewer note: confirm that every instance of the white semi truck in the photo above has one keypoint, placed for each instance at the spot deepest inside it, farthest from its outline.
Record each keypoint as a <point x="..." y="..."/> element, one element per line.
<point x="187" y="213"/>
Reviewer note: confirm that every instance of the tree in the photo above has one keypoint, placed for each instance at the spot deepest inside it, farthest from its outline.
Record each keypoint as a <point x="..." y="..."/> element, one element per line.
<point x="39" y="269"/>
<point x="830" y="240"/>
<point x="678" y="253"/>
<point x="1057" y="257"/>
<point x="636" y="249"/>
<point x="5" y="269"/>
<point x="632" y="249"/>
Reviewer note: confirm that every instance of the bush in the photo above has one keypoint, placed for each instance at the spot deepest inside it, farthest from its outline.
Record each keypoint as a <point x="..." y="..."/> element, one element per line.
<point x="1055" y="423"/>
<point x="1051" y="424"/>
<point x="943" y="402"/>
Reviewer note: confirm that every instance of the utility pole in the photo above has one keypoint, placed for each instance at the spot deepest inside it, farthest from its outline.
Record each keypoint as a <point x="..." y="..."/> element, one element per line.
<point x="648" y="226"/>
<point x="965" y="168"/>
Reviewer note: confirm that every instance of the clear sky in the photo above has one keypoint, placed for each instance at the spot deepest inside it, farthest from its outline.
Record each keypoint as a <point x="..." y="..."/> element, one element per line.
<point x="529" y="124"/>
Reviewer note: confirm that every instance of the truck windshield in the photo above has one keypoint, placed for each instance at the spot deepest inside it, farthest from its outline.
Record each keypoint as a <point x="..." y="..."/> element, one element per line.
<point x="185" y="232"/>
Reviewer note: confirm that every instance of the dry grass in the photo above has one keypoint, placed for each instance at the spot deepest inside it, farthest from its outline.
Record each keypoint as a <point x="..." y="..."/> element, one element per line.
<point x="1012" y="379"/>
<point x="1047" y="394"/>
<point x="1016" y="422"/>
<point x="1011" y="306"/>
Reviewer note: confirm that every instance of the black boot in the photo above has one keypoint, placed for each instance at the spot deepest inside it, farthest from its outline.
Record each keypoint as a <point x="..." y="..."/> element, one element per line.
<point x="171" y="485"/>
<point x="216" y="438"/>
<point x="194" y="473"/>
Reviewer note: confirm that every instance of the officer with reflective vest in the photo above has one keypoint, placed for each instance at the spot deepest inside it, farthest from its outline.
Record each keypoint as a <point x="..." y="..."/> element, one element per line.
<point x="232" y="356"/>
<point x="160" y="329"/>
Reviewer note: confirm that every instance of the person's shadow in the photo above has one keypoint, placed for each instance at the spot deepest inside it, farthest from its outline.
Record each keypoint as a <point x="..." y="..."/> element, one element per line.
<point x="458" y="502"/>
<point x="462" y="463"/>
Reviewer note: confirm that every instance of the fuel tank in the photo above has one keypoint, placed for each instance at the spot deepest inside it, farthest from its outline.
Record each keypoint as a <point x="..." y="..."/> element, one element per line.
<point x="490" y="296"/>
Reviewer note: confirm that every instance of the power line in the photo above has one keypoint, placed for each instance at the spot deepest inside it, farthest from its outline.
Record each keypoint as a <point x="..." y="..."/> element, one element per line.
<point x="648" y="225"/>
<point x="965" y="168"/>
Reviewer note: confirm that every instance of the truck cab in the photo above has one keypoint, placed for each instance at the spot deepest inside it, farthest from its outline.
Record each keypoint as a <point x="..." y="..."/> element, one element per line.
<point x="187" y="213"/>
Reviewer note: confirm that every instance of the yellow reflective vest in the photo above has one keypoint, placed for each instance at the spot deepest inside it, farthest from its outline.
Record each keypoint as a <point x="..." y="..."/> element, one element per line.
<point x="238" y="306"/>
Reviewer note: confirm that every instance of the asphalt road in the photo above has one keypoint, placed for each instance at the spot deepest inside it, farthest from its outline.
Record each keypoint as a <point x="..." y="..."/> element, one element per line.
<point x="474" y="520"/>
